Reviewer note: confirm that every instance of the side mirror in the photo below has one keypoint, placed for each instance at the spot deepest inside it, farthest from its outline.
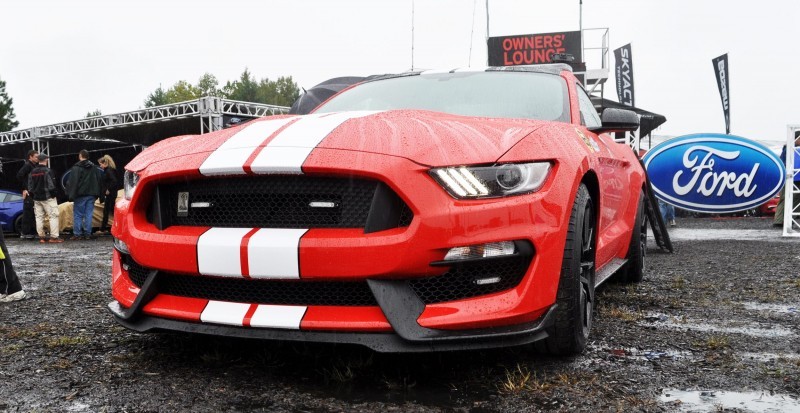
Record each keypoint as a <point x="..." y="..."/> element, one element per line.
<point x="617" y="120"/>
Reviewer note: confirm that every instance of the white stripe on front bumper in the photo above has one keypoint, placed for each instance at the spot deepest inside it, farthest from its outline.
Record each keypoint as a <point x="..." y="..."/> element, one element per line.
<point x="278" y="316"/>
<point x="273" y="253"/>
<point x="230" y="157"/>
<point x="219" y="252"/>
<point x="223" y="312"/>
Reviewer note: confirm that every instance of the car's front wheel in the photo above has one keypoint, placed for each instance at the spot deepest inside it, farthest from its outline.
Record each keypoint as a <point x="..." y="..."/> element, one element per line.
<point x="575" y="298"/>
<point x="637" y="251"/>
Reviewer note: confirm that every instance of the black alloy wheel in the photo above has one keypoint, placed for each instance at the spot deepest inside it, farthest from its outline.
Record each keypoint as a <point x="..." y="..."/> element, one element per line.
<point x="637" y="251"/>
<point x="575" y="298"/>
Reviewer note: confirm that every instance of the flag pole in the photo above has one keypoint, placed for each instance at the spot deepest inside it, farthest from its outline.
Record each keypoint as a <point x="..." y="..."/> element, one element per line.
<point x="412" y="35"/>
<point x="487" y="32"/>
<point x="580" y="25"/>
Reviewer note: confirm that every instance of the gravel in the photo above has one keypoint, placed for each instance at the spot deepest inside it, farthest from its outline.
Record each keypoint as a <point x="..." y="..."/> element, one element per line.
<point x="719" y="317"/>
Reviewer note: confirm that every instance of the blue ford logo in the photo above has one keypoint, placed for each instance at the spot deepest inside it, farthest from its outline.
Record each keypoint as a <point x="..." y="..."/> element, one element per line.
<point x="714" y="173"/>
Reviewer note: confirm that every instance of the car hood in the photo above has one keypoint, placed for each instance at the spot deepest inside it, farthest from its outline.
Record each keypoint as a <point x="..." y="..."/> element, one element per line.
<point x="425" y="137"/>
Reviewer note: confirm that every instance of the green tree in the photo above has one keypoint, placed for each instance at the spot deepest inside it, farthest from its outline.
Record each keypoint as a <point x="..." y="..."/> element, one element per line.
<point x="95" y="112"/>
<point x="282" y="92"/>
<point x="182" y="91"/>
<point x="157" y="98"/>
<point x="244" y="89"/>
<point x="208" y="85"/>
<point x="7" y="116"/>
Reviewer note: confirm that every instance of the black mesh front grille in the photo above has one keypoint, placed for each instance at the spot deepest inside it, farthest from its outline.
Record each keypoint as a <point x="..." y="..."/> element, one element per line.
<point x="456" y="284"/>
<point x="272" y="202"/>
<point x="459" y="282"/>
<point x="241" y="290"/>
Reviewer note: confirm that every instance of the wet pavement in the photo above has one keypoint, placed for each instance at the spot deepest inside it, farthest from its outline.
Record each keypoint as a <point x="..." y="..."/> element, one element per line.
<point x="713" y="327"/>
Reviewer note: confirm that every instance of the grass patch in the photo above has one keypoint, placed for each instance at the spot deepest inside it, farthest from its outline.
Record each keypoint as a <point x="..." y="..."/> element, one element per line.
<point x="715" y="342"/>
<point x="517" y="380"/>
<point x="66" y="341"/>
<point x="346" y="369"/>
<point x="624" y="314"/>
<point x="678" y="283"/>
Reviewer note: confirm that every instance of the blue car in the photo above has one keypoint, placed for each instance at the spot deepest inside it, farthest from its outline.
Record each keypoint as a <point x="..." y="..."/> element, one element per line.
<point x="10" y="211"/>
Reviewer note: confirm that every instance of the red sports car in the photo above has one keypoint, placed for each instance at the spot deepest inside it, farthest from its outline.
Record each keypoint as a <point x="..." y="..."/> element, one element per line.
<point x="424" y="211"/>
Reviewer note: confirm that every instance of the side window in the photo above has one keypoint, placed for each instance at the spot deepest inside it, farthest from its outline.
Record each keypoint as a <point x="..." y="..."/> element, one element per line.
<point x="589" y="115"/>
<point x="2" y="197"/>
<point x="13" y="198"/>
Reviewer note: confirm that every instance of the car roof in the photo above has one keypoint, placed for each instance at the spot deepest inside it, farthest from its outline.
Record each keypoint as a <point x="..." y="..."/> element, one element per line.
<point x="552" y="68"/>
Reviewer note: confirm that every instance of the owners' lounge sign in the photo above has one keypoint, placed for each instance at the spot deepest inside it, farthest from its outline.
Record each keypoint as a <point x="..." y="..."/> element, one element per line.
<point x="532" y="49"/>
<point x="714" y="173"/>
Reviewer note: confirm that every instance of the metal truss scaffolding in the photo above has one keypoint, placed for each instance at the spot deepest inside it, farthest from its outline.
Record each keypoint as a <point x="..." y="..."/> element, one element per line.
<point x="791" y="194"/>
<point x="208" y="110"/>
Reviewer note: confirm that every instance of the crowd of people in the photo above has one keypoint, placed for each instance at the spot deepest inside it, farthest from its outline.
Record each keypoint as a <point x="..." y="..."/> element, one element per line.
<point x="86" y="184"/>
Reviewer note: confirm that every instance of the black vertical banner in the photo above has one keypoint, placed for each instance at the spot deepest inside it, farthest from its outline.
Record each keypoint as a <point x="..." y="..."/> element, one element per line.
<point x="624" y="74"/>
<point x="722" y="72"/>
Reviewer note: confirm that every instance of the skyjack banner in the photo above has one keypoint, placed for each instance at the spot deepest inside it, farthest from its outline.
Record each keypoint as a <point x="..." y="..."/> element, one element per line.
<point x="721" y="71"/>
<point x="531" y="49"/>
<point x="624" y="72"/>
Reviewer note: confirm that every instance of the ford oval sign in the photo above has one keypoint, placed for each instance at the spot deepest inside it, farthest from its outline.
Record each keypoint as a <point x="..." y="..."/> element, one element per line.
<point x="714" y="173"/>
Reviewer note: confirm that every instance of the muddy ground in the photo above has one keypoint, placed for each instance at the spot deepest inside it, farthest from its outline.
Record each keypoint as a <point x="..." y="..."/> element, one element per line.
<point x="713" y="326"/>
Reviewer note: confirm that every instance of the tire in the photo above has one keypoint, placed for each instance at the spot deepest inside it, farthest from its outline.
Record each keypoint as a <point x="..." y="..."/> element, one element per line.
<point x="18" y="224"/>
<point x="637" y="251"/>
<point x="573" y="316"/>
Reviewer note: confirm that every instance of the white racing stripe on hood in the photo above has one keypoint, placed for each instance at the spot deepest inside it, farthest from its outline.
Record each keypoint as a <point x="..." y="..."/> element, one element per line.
<point x="222" y="312"/>
<point x="289" y="150"/>
<point x="230" y="157"/>
<point x="278" y="316"/>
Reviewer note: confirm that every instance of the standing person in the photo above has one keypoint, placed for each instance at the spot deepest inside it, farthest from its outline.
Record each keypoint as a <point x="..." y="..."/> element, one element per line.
<point x="109" y="186"/>
<point x="42" y="188"/>
<point x="83" y="188"/>
<point x="778" y="219"/>
<point x="10" y="287"/>
<point x="28" y="224"/>
<point x="667" y="213"/>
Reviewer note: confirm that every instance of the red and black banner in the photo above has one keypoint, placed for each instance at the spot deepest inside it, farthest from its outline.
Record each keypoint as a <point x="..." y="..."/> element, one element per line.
<point x="721" y="70"/>
<point x="624" y="75"/>
<point x="532" y="49"/>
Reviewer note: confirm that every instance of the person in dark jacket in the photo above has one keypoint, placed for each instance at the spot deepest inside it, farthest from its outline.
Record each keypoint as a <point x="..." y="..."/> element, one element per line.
<point x="83" y="188"/>
<point x="28" y="224"/>
<point x="10" y="287"/>
<point x="42" y="188"/>
<point x="109" y="187"/>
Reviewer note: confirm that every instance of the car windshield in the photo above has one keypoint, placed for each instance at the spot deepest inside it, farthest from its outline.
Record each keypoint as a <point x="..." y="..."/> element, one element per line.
<point x="490" y="94"/>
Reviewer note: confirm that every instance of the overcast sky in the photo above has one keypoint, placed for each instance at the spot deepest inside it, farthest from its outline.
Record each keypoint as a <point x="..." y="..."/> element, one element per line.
<point x="62" y="59"/>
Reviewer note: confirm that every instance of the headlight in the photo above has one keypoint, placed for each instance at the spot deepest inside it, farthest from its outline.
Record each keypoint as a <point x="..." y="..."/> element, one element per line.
<point x="469" y="182"/>
<point x="131" y="180"/>
<point x="121" y="246"/>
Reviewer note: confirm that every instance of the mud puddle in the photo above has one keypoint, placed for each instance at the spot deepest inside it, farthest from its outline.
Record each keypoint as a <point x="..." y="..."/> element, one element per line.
<point x="710" y="400"/>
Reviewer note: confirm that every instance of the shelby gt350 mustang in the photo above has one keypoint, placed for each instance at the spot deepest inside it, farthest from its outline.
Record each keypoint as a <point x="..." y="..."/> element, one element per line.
<point x="417" y="212"/>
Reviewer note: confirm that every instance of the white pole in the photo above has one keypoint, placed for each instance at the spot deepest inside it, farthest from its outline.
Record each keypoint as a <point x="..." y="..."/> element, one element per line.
<point x="487" y="32"/>
<point x="412" y="35"/>
<point x="788" y="193"/>
<point x="580" y="27"/>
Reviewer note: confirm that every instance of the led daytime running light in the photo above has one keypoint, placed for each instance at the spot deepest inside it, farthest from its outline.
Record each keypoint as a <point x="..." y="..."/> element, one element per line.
<point x="492" y="249"/>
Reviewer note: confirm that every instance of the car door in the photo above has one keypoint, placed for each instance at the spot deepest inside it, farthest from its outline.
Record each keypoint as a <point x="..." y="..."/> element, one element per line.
<point x="614" y="180"/>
